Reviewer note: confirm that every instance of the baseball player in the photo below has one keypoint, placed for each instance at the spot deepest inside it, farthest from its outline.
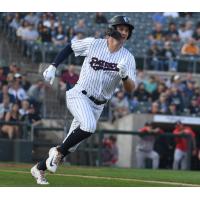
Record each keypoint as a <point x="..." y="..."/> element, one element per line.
<point x="106" y="63"/>
<point x="181" y="149"/>
<point x="144" y="148"/>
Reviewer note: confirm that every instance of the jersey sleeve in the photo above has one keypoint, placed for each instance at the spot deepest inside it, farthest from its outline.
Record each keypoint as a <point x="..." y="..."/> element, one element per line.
<point x="81" y="47"/>
<point x="131" y="68"/>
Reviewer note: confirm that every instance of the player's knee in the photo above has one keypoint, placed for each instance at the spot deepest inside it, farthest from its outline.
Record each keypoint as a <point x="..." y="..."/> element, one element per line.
<point x="156" y="156"/>
<point x="89" y="127"/>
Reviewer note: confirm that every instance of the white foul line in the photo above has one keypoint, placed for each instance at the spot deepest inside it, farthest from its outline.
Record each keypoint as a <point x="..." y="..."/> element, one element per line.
<point x="113" y="178"/>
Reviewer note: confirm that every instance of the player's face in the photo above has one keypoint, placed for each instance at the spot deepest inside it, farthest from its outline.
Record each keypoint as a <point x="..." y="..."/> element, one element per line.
<point x="124" y="31"/>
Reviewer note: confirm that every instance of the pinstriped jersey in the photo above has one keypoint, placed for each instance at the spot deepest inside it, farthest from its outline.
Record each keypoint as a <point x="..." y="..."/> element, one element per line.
<point x="99" y="74"/>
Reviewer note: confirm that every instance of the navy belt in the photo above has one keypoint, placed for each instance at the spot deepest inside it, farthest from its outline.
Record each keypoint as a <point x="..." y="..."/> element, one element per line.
<point x="96" y="101"/>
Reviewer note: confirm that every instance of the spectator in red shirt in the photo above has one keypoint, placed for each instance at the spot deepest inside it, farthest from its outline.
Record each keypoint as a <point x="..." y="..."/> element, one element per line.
<point x="182" y="148"/>
<point x="68" y="78"/>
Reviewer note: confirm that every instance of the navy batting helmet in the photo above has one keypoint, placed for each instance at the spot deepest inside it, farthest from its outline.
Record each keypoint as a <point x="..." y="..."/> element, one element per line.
<point x="121" y="20"/>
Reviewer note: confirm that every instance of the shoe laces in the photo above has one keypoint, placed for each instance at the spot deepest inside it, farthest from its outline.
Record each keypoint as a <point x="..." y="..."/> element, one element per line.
<point x="58" y="158"/>
<point x="42" y="176"/>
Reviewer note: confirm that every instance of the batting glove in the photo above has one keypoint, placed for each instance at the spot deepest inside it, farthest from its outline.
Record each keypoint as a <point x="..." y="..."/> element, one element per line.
<point x="49" y="74"/>
<point x="122" y="69"/>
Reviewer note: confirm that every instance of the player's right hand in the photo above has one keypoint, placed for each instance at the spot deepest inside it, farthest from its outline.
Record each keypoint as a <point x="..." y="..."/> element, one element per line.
<point x="122" y="69"/>
<point x="49" y="74"/>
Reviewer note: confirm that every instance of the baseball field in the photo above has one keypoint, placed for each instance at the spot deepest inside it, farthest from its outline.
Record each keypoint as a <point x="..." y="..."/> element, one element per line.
<point x="18" y="175"/>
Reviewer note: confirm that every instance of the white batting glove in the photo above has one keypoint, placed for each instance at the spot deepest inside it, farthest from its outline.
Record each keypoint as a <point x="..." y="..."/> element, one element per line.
<point x="122" y="69"/>
<point x="49" y="74"/>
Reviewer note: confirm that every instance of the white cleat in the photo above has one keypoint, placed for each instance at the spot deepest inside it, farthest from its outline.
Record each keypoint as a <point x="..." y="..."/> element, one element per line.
<point x="53" y="160"/>
<point x="39" y="175"/>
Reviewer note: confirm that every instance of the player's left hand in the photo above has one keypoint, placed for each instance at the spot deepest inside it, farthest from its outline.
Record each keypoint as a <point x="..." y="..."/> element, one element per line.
<point x="49" y="74"/>
<point x="122" y="69"/>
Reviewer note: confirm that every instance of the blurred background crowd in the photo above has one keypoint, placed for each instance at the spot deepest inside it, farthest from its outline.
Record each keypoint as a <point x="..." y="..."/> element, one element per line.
<point x="165" y="46"/>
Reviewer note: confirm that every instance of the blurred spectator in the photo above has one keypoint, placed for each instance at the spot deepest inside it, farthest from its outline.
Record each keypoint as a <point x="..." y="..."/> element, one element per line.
<point x="110" y="152"/>
<point x="22" y="28"/>
<point x="158" y="33"/>
<point x="30" y="33"/>
<point x="188" y="91"/>
<point x="159" y="90"/>
<point x="150" y="84"/>
<point x="24" y="107"/>
<point x="119" y="104"/>
<point x="184" y="33"/>
<point x="159" y="18"/>
<point x="15" y="23"/>
<point x="11" y="131"/>
<point x="196" y="34"/>
<point x="98" y="34"/>
<point x="32" y="18"/>
<point x="100" y="18"/>
<point x="176" y="98"/>
<point x="32" y="116"/>
<point x="171" y="14"/>
<point x="59" y="38"/>
<point x="36" y="93"/>
<point x="2" y="76"/>
<point x="70" y="33"/>
<point x="172" y="33"/>
<point x="168" y="56"/>
<point x="190" y="48"/>
<point x="145" y="146"/>
<point x="4" y="92"/>
<point x="141" y="94"/>
<point x="5" y="106"/>
<point x="133" y="104"/>
<point x="162" y="103"/>
<point x="194" y="108"/>
<point x="182" y="148"/>
<point x="68" y="78"/>
<point x="44" y="33"/>
<point x="26" y="84"/>
<point x="79" y="34"/>
<point x="45" y="20"/>
<point x="16" y="88"/>
<point x="176" y="81"/>
<point x="80" y="27"/>
<point x="154" y="109"/>
<point x="153" y="54"/>
<point x="13" y="68"/>
<point x="172" y="110"/>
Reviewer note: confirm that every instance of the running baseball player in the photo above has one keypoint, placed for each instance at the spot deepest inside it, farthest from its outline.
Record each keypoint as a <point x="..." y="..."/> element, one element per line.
<point x="106" y="63"/>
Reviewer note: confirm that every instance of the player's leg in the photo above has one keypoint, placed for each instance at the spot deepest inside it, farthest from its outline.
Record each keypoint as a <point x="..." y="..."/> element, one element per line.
<point x="85" y="113"/>
<point x="154" y="156"/>
<point x="140" y="159"/>
<point x="178" y="154"/>
<point x="184" y="161"/>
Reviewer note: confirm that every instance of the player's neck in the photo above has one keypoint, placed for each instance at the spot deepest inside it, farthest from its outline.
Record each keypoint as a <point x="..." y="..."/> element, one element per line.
<point x="113" y="45"/>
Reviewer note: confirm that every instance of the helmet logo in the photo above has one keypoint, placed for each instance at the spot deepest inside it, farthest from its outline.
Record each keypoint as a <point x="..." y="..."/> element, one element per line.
<point x="126" y="19"/>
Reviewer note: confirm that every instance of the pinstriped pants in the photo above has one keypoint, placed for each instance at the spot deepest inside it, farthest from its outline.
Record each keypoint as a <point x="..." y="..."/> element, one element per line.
<point x="85" y="112"/>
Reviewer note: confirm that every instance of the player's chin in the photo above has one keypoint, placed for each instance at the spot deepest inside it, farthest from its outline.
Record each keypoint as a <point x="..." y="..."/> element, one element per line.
<point x="123" y="40"/>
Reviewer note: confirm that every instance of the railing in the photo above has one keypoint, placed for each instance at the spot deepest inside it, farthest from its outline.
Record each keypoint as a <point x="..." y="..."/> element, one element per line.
<point x="24" y="125"/>
<point x="179" y="64"/>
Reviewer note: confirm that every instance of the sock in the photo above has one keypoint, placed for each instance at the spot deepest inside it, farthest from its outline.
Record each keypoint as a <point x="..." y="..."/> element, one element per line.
<point x="74" y="138"/>
<point x="42" y="164"/>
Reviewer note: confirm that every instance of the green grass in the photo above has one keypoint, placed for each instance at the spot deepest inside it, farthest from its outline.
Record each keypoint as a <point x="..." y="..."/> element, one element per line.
<point x="18" y="175"/>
